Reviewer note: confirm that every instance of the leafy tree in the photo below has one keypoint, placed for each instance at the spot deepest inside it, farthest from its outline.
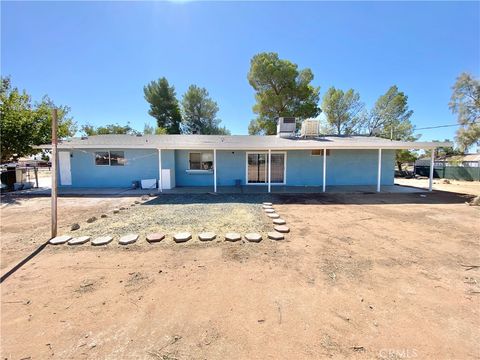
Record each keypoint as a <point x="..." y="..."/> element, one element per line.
<point x="343" y="110"/>
<point x="405" y="156"/>
<point x="24" y="126"/>
<point x="280" y="90"/>
<point x="390" y="117"/>
<point x="444" y="151"/>
<point x="109" y="129"/>
<point x="199" y="113"/>
<point x="163" y="105"/>
<point x="465" y="102"/>
<point x="150" y="130"/>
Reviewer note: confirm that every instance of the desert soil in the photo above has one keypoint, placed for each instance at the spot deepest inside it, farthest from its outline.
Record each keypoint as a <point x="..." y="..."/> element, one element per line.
<point x="456" y="186"/>
<point x="380" y="276"/>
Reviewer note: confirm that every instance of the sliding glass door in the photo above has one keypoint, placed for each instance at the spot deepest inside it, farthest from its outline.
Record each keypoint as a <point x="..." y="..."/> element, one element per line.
<point x="257" y="168"/>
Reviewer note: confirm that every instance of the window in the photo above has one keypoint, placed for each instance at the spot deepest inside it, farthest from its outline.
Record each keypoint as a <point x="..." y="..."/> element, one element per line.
<point x="319" y="152"/>
<point x="110" y="158"/>
<point x="201" y="161"/>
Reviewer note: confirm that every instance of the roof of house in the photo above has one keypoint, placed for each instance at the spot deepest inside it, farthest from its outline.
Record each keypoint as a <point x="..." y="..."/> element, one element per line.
<point x="238" y="142"/>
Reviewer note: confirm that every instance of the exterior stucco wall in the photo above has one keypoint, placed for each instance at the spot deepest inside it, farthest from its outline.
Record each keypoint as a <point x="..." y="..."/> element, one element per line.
<point x="141" y="164"/>
<point x="344" y="167"/>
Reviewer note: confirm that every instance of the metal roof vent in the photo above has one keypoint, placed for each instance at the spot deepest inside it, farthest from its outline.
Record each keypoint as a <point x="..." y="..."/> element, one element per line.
<point x="286" y="127"/>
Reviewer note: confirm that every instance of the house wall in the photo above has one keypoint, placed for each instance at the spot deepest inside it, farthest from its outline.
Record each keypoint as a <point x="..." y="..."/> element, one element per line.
<point x="344" y="167"/>
<point x="141" y="164"/>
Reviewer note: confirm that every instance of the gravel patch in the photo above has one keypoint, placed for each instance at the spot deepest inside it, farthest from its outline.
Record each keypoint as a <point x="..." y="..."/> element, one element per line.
<point x="194" y="213"/>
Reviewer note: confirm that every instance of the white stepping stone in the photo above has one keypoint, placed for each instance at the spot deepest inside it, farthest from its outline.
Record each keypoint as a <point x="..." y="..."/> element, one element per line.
<point x="102" y="240"/>
<point x="155" y="237"/>
<point x="253" y="237"/>
<point x="282" y="228"/>
<point x="232" y="236"/>
<point x="128" y="239"/>
<point x="182" y="237"/>
<point x="279" y="221"/>
<point x="79" y="240"/>
<point x="267" y="206"/>
<point x="267" y="203"/>
<point x="207" y="236"/>
<point x="60" y="239"/>
<point x="273" y="216"/>
<point x="275" y="235"/>
<point x="269" y="211"/>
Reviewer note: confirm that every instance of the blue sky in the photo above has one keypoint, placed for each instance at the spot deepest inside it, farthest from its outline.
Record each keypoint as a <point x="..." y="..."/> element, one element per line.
<point x="97" y="56"/>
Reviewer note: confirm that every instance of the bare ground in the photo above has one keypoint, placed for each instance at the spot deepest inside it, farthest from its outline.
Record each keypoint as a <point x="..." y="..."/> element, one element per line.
<point x="360" y="276"/>
<point x="457" y="186"/>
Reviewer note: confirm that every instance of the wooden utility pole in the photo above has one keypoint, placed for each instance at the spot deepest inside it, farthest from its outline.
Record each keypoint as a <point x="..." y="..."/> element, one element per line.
<point x="54" y="173"/>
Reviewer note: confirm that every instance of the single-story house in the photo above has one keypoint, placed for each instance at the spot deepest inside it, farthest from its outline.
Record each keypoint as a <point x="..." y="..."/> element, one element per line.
<point x="239" y="160"/>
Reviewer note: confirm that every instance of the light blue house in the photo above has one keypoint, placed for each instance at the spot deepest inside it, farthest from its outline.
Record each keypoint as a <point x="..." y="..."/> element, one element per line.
<point x="216" y="162"/>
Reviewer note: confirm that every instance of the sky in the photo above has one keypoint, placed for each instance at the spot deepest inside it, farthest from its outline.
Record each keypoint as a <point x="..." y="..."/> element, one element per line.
<point x="96" y="56"/>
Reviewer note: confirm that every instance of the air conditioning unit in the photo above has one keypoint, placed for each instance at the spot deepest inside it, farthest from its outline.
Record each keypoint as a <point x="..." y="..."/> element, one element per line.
<point x="310" y="128"/>
<point x="286" y="126"/>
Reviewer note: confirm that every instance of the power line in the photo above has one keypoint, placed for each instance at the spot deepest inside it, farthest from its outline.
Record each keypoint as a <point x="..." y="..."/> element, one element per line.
<point x="441" y="126"/>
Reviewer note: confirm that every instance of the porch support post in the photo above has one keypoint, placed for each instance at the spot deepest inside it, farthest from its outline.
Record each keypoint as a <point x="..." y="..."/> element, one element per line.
<point x="432" y="164"/>
<point x="269" y="170"/>
<point x="379" y="176"/>
<point x="324" y="170"/>
<point x="214" y="170"/>
<point x="160" y="185"/>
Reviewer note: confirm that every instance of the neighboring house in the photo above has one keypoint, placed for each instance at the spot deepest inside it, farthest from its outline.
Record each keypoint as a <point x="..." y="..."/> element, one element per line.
<point x="218" y="160"/>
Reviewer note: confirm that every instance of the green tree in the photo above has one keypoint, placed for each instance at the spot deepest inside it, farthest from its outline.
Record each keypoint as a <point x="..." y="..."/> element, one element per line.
<point x="199" y="113"/>
<point x="163" y="105"/>
<point x="465" y="102"/>
<point x="405" y="156"/>
<point x="150" y="130"/>
<point x="280" y="90"/>
<point x="24" y="126"/>
<point x="343" y="110"/>
<point x="390" y="116"/>
<point x="109" y="129"/>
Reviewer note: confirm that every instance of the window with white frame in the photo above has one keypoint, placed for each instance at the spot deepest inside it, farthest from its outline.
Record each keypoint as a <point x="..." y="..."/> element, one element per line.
<point x="200" y="161"/>
<point x="110" y="158"/>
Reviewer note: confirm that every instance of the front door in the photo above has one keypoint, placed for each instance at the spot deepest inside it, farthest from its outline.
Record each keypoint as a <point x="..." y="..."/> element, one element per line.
<point x="257" y="168"/>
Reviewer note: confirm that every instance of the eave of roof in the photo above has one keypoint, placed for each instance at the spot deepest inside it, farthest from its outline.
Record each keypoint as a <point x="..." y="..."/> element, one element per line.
<point x="237" y="142"/>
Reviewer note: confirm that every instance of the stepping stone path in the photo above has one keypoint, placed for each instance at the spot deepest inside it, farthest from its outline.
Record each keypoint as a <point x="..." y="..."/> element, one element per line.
<point x="232" y="236"/>
<point x="279" y="221"/>
<point x="207" y="236"/>
<point x="60" y="239"/>
<point x="102" y="240"/>
<point x="155" y="237"/>
<point x="273" y="216"/>
<point x="275" y="235"/>
<point x="128" y="239"/>
<point x="182" y="237"/>
<point x="267" y="206"/>
<point x="267" y="203"/>
<point x="282" y="228"/>
<point x="253" y="237"/>
<point x="269" y="211"/>
<point x="79" y="240"/>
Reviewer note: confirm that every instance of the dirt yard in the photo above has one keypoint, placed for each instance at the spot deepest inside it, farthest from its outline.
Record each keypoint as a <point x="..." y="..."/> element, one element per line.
<point x="457" y="186"/>
<point x="382" y="276"/>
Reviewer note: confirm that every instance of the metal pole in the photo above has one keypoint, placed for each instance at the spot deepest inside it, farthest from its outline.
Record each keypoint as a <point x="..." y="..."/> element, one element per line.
<point x="379" y="176"/>
<point x="54" y="172"/>
<point x="269" y="170"/>
<point x="432" y="163"/>
<point x="35" y="169"/>
<point x="214" y="170"/>
<point x="324" y="170"/>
